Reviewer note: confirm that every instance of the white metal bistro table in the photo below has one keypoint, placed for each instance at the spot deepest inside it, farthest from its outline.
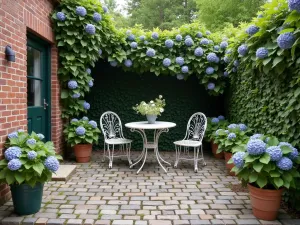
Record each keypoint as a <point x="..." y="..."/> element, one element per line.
<point x="159" y="127"/>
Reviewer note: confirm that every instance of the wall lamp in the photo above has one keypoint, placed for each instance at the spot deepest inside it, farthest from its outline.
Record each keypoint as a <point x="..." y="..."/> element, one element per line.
<point x="10" y="54"/>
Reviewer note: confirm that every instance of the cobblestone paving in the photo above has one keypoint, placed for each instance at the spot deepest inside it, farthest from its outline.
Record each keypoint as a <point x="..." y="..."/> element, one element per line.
<point x="118" y="196"/>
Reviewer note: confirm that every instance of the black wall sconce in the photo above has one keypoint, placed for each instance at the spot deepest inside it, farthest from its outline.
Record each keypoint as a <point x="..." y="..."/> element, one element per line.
<point x="10" y="54"/>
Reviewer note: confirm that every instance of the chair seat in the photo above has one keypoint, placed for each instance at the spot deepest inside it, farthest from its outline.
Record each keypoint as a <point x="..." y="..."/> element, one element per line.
<point x="118" y="141"/>
<point x="188" y="143"/>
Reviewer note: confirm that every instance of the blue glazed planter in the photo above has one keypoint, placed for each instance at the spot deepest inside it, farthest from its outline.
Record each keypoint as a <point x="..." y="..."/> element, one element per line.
<point x="151" y="118"/>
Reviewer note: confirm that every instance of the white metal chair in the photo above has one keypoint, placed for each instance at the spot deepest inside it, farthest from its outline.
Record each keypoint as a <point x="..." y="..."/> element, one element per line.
<point x="111" y="127"/>
<point x="193" y="139"/>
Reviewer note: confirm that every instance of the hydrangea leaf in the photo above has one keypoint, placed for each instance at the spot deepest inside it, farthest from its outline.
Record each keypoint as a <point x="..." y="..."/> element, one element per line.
<point x="19" y="177"/>
<point x="257" y="167"/>
<point x="9" y="176"/>
<point x="262" y="181"/>
<point x="275" y="173"/>
<point x="39" y="167"/>
<point x="278" y="182"/>
<point x="253" y="177"/>
<point x="285" y="149"/>
<point x="265" y="159"/>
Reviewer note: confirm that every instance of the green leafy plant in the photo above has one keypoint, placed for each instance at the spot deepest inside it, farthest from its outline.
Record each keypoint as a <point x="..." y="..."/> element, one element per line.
<point x="28" y="160"/>
<point x="232" y="139"/>
<point x="82" y="131"/>
<point x="213" y="124"/>
<point x="267" y="163"/>
<point x="155" y="107"/>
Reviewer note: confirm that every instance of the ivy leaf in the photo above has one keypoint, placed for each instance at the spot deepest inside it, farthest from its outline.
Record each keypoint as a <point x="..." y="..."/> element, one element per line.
<point x="64" y="94"/>
<point x="71" y="41"/>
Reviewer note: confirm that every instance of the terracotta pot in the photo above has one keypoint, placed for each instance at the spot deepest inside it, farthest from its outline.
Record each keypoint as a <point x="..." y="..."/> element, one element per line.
<point x="83" y="152"/>
<point x="214" y="148"/>
<point x="265" y="203"/>
<point x="228" y="156"/>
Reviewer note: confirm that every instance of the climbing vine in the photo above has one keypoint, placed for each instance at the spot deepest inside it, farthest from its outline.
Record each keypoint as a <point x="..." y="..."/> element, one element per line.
<point x="85" y="32"/>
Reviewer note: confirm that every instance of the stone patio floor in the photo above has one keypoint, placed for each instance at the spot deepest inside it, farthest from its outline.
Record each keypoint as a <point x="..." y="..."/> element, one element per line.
<point x="98" y="195"/>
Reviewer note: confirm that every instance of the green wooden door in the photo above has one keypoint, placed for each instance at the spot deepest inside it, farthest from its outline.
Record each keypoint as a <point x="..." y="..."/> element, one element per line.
<point x="38" y="87"/>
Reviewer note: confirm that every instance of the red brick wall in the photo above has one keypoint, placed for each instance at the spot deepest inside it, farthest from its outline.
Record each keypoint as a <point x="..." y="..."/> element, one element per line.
<point x="17" y="17"/>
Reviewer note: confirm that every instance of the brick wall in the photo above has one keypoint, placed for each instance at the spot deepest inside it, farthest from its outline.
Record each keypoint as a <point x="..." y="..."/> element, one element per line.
<point x="17" y="17"/>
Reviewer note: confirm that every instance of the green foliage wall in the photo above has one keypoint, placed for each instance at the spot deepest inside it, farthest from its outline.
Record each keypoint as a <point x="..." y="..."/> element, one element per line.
<point x="116" y="90"/>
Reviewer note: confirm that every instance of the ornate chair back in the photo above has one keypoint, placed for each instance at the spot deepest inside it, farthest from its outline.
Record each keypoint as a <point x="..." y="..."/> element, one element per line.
<point x="196" y="127"/>
<point x="111" y="125"/>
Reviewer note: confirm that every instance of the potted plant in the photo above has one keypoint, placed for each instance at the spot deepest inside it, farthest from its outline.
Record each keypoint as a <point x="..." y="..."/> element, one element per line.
<point x="28" y="163"/>
<point x="151" y="109"/>
<point x="81" y="134"/>
<point x="230" y="140"/>
<point x="213" y="125"/>
<point x="267" y="166"/>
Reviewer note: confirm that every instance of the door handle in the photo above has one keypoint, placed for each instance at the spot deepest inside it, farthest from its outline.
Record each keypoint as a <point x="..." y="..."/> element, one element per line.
<point x="45" y="104"/>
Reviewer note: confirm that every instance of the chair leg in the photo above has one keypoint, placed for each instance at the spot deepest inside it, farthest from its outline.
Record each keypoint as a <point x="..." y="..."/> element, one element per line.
<point x="111" y="157"/>
<point x="104" y="155"/>
<point x="128" y="147"/>
<point x="176" y="157"/>
<point x="196" y="153"/>
<point x="204" y="163"/>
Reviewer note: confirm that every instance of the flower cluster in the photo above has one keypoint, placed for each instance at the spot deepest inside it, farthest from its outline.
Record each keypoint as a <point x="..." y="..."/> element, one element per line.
<point x="133" y="45"/>
<point x="231" y="136"/>
<point x="61" y="16"/>
<point x="262" y="53"/>
<point x="128" y="63"/>
<point x="80" y="131"/>
<point x="169" y="43"/>
<point x="242" y="127"/>
<point x="155" y="35"/>
<point x="86" y="105"/>
<point x="150" y="52"/>
<point x="155" y="107"/>
<point x="215" y="120"/>
<point x="185" y="69"/>
<point x="238" y="159"/>
<point x="80" y="10"/>
<point x="211" y="86"/>
<point x="72" y="84"/>
<point x="274" y="152"/>
<point x="178" y="37"/>
<point x="243" y="50"/>
<point x="97" y="17"/>
<point x="212" y="57"/>
<point x="189" y="42"/>
<point x="256" y="136"/>
<point x="294" y="5"/>
<point x="93" y="123"/>
<point x="167" y="62"/>
<point x="210" y="70"/>
<point x="251" y="30"/>
<point x="14" y="164"/>
<point x="204" y="41"/>
<point x="51" y="163"/>
<point x="256" y="147"/>
<point x="12" y="153"/>
<point x="90" y="29"/>
<point x="286" y="40"/>
<point x="179" y="61"/>
<point x="31" y="141"/>
<point x="223" y="45"/>
<point x="31" y="155"/>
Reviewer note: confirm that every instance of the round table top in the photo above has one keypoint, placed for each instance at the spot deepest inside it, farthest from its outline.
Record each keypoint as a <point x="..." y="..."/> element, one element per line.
<point x="147" y="126"/>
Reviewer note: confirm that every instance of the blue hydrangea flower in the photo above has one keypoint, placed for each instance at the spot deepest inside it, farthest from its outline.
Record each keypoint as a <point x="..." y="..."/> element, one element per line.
<point x="208" y="32"/>
<point x="180" y="76"/>
<point x="72" y="84"/>
<point x="93" y="123"/>
<point x="294" y="154"/>
<point x="226" y="59"/>
<point x="231" y="136"/>
<point x="31" y="155"/>
<point x="212" y="57"/>
<point x="131" y="37"/>
<point x="238" y="159"/>
<point x="113" y="63"/>
<point x="223" y="44"/>
<point x="41" y="136"/>
<point x="51" y="163"/>
<point x="12" y="153"/>
<point x="81" y="11"/>
<point x="128" y="63"/>
<point x="294" y="5"/>
<point x="227" y="131"/>
<point x="189" y="42"/>
<point x="228" y="51"/>
<point x="243" y="50"/>
<point x="21" y="131"/>
<point x="275" y="153"/>
<point x="14" y="164"/>
<point x="97" y="17"/>
<point x="225" y="74"/>
<point x="211" y="86"/>
<point x="204" y="41"/>
<point x="133" y="45"/>
<point x="199" y="35"/>
<point x="256" y="136"/>
<point x="256" y="147"/>
<point x="187" y="36"/>
<point x="185" y="69"/>
<point x="155" y="35"/>
<point x="150" y="52"/>
<point x="31" y="141"/>
<point x="178" y="37"/>
<point x="236" y="63"/>
<point x="217" y="131"/>
<point x="105" y="9"/>
<point x="90" y="29"/>
<point x="85" y="118"/>
<point x="80" y="131"/>
<point x="13" y="135"/>
<point x="167" y="62"/>
<point x="169" y="43"/>
<point x="267" y="140"/>
<point x="128" y="32"/>
<point x="285" y="163"/>
<point x="88" y="70"/>
<point x="142" y="37"/>
<point x="198" y="52"/>
<point x="210" y="70"/>
<point x="179" y="61"/>
<point x="60" y="16"/>
<point x="74" y="120"/>
<point x="251" y="30"/>
<point x="234" y="69"/>
<point x="221" y="117"/>
<point x="91" y="83"/>
<point x="285" y="144"/>
<point x="286" y="40"/>
<point x="76" y="95"/>
<point x="243" y="127"/>
<point x="86" y="105"/>
<point x="216" y="47"/>
<point x="100" y="51"/>
<point x="232" y="126"/>
<point x="215" y="120"/>
<point x="262" y="53"/>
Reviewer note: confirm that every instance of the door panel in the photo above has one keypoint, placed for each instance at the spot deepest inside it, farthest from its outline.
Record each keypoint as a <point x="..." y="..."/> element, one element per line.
<point x="38" y="91"/>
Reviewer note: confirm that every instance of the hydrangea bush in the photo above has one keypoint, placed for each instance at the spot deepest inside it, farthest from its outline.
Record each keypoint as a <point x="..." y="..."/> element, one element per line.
<point x="155" y="107"/>
<point x="82" y="131"/>
<point x="27" y="159"/>
<point x="267" y="163"/>
<point x="213" y="124"/>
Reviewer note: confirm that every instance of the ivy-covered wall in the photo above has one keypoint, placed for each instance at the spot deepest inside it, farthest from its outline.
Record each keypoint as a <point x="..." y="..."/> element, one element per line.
<point x="118" y="91"/>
